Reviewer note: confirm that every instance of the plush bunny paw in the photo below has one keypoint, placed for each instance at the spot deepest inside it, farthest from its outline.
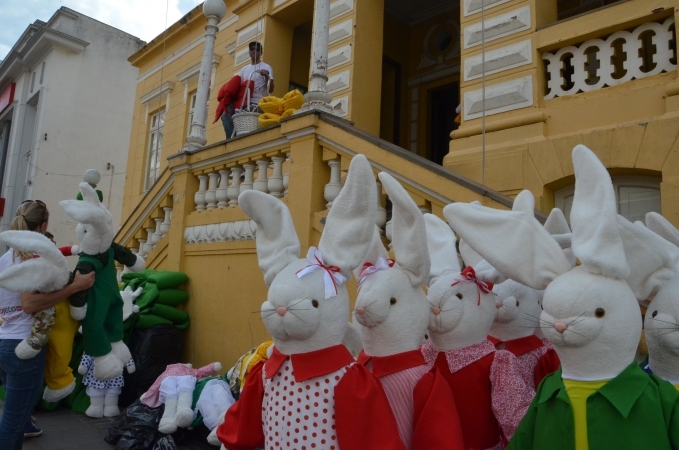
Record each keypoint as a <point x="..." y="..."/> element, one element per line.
<point x="107" y="367"/>
<point x="78" y="313"/>
<point x="54" y="395"/>
<point x="25" y="351"/>
<point x="167" y="425"/>
<point x="184" y="417"/>
<point x="121" y="351"/>
<point x="96" y="408"/>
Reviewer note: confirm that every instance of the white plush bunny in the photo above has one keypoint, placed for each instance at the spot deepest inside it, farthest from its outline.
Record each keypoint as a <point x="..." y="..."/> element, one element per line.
<point x="518" y="318"/>
<point x="310" y="390"/>
<point x="592" y="318"/>
<point x="48" y="273"/>
<point x="490" y="394"/>
<point x="102" y="323"/>
<point x="393" y="314"/>
<point x="103" y="394"/>
<point x="129" y="296"/>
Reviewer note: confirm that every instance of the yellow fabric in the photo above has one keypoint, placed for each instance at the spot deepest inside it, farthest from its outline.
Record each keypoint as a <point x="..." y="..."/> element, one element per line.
<point x="677" y="386"/>
<point x="271" y="104"/>
<point x="287" y="113"/>
<point x="293" y="100"/>
<point x="251" y="360"/>
<point x="60" y="347"/>
<point x="578" y="392"/>
<point x="267" y="119"/>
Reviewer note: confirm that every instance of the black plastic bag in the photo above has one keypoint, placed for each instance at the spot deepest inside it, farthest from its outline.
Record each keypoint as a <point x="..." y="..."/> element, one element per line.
<point x="165" y="443"/>
<point x="136" y="428"/>
<point x="152" y="350"/>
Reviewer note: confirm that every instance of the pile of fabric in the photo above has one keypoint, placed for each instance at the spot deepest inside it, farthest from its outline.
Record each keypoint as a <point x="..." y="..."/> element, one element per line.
<point x="276" y="108"/>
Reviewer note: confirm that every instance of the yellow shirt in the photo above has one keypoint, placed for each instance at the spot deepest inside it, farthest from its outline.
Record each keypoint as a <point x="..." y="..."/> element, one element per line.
<point x="578" y="392"/>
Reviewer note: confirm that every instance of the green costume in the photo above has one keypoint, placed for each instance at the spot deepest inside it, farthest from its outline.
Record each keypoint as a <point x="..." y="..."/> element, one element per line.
<point x="632" y="411"/>
<point x="103" y="323"/>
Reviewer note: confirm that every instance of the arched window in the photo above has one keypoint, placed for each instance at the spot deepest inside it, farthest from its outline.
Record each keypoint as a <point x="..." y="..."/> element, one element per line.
<point x="635" y="196"/>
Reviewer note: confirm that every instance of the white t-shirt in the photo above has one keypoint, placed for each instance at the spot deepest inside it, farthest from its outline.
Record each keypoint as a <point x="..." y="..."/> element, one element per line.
<point x="259" y="79"/>
<point x="16" y="323"/>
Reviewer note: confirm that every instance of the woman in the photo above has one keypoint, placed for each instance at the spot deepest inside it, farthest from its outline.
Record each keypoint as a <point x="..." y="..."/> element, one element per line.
<point x="22" y="379"/>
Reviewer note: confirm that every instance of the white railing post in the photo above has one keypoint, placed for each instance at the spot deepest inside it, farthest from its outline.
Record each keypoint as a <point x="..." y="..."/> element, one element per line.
<point x="333" y="188"/>
<point x="234" y="189"/>
<point x="262" y="183"/>
<point x="222" y="197"/>
<point x="199" y="196"/>
<point x="275" y="185"/>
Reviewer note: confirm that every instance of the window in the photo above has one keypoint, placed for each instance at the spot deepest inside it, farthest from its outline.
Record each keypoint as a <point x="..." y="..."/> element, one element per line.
<point x="192" y="107"/>
<point x="635" y="196"/>
<point x="155" y="148"/>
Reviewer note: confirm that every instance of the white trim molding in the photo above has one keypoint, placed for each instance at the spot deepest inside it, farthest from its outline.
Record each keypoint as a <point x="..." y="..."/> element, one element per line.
<point x="339" y="81"/>
<point x="339" y="56"/>
<point x="156" y="94"/>
<point x="340" y="7"/>
<point x="341" y="106"/>
<point x="247" y="34"/>
<point x="340" y="31"/>
<point x="502" y="97"/>
<point x="504" y="58"/>
<point x="474" y="6"/>
<point x="240" y="230"/>
<point x="498" y="26"/>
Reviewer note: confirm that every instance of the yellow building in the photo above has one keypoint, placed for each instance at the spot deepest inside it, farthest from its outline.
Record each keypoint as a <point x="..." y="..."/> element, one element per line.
<point x="555" y="73"/>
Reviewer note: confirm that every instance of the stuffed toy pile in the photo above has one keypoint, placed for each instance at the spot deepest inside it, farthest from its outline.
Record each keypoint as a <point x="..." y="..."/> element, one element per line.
<point x="276" y="108"/>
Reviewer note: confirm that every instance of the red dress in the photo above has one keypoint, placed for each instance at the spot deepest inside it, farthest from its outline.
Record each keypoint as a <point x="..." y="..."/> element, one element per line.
<point x="420" y="400"/>
<point x="537" y="358"/>
<point x="490" y="395"/>
<point x="319" y="400"/>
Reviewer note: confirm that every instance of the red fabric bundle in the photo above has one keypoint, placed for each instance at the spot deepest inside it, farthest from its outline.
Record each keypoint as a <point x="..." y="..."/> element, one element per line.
<point x="229" y="93"/>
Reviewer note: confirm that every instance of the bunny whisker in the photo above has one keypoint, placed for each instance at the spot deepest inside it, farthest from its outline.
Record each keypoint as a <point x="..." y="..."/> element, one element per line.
<point x="567" y="329"/>
<point x="298" y="302"/>
<point x="374" y="314"/>
<point x="575" y="323"/>
<point x="538" y="318"/>
<point x="668" y="332"/>
<point x="664" y="321"/>
<point x="296" y="316"/>
<point x="525" y="326"/>
<point x="574" y="320"/>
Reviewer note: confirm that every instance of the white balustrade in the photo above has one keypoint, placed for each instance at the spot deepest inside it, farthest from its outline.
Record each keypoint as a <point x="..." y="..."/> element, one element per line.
<point x="211" y="194"/>
<point x="381" y="214"/>
<point x="142" y="248"/>
<point x="221" y="194"/>
<point x="150" y="244"/>
<point x="286" y="176"/>
<point x="233" y="190"/>
<point x="275" y="183"/>
<point x="199" y="197"/>
<point x="165" y="226"/>
<point x="333" y="188"/>
<point x="262" y="183"/>
<point x="248" y="178"/>
<point x="157" y="234"/>
<point x="593" y="62"/>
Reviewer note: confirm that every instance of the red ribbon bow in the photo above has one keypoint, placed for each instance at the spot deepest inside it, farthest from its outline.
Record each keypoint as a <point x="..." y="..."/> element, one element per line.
<point x="470" y="277"/>
<point x="370" y="268"/>
<point x="331" y="275"/>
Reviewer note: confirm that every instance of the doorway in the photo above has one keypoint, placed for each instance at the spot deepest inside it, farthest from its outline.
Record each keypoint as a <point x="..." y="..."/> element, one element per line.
<point x="390" y="109"/>
<point x="441" y="105"/>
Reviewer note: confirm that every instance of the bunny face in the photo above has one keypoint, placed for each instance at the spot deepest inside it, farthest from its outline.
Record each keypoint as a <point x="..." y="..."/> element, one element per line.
<point x="584" y="315"/>
<point x="457" y="318"/>
<point x="662" y="323"/>
<point x="518" y="313"/>
<point x="95" y="223"/>
<point x="392" y="313"/>
<point x="296" y="310"/>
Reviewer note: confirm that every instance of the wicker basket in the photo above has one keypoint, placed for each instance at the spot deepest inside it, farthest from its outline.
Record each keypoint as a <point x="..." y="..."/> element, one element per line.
<point x="246" y="119"/>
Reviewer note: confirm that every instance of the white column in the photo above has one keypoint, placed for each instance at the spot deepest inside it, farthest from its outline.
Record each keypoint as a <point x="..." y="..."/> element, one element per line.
<point x="248" y="178"/>
<point x="211" y="194"/>
<point x="214" y="10"/>
<point x="276" y="180"/>
<point x="333" y="188"/>
<point x="233" y="190"/>
<point x="199" y="197"/>
<point x="222" y="196"/>
<point x="318" y="98"/>
<point x="381" y="214"/>
<point x="262" y="184"/>
<point x="165" y="226"/>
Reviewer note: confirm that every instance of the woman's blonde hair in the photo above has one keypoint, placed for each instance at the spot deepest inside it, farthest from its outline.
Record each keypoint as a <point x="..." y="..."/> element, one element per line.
<point x="30" y="215"/>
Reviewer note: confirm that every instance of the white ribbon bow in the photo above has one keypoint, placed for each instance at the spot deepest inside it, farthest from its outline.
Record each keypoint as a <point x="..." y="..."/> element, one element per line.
<point x="370" y="268"/>
<point x="331" y="274"/>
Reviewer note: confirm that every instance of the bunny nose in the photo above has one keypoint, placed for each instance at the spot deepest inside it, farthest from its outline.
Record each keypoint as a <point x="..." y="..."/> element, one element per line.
<point x="281" y="310"/>
<point x="560" y="327"/>
<point x="498" y="304"/>
<point x="436" y="310"/>
<point x="360" y="310"/>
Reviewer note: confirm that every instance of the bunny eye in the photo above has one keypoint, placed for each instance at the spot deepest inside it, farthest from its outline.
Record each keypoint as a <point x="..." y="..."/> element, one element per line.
<point x="517" y="303"/>
<point x="600" y="312"/>
<point x="458" y="295"/>
<point x="392" y="301"/>
<point x="655" y="313"/>
<point x="314" y="303"/>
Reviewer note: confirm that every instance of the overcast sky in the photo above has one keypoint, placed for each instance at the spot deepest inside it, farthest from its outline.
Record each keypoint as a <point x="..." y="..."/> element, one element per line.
<point x="142" y="18"/>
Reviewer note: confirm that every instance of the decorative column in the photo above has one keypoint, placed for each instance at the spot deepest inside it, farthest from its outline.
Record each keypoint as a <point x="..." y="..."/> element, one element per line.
<point x="248" y="178"/>
<point x="276" y="180"/>
<point x="213" y="10"/>
<point x="333" y="188"/>
<point x="165" y="226"/>
<point x="233" y="190"/>
<point x="318" y="98"/>
<point x="222" y="197"/>
<point x="381" y="214"/>
<point x="211" y="193"/>
<point x="262" y="183"/>
<point x="199" y="196"/>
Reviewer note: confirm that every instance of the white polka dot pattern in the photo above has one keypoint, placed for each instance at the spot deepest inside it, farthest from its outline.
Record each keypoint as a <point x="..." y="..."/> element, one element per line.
<point x="300" y="415"/>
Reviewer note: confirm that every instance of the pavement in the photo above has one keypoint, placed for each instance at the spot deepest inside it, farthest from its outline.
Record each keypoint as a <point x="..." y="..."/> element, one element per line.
<point x="63" y="429"/>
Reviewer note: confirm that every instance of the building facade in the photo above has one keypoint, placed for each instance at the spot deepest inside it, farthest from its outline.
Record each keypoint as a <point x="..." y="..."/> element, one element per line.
<point x="555" y="73"/>
<point x="67" y="92"/>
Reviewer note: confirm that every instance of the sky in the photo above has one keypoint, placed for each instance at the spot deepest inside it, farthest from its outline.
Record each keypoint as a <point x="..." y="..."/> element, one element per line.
<point x="142" y="18"/>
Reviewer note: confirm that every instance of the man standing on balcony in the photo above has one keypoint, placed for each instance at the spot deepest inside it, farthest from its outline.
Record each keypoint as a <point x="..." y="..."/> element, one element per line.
<point x="262" y="73"/>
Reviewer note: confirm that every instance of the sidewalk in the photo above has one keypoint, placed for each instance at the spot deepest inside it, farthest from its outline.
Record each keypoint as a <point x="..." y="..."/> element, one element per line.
<point x="65" y="430"/>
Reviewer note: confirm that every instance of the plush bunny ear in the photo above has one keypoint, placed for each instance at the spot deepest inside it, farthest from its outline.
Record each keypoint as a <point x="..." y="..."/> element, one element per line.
<point x="409" y="232"/>
<point x="658" y="224"/>
<point x="375" y="252"/>
<point x="89" y="194"/>
<point x="557" y="226"/>
<point x="469" y="256"/>
<point x="513" y="242"/>
<point x="441" y="246"/>
<point x="485" y="272"/>
<point x="525" y="202"/>
<point x="351" y="221"/>
<point x="649" y="261"/>
<point x="89" y="210"/>
<point x="48" y="273"/>
<point x="277" y="241"/>
<point x="596" y="239"/>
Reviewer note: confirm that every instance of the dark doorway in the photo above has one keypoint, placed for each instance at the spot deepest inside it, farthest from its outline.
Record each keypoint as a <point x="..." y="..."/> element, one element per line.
<point x="390" y="109"/>
<point x="442" y="102"/>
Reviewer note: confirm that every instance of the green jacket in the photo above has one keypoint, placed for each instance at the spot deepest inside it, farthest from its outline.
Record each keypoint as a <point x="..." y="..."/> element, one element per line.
<point x="633" y="411"/>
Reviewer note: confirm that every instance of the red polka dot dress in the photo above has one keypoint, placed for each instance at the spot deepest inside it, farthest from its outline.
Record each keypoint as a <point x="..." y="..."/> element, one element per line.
<point x="319" y="400"/>
<point x="536" y="357"/>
